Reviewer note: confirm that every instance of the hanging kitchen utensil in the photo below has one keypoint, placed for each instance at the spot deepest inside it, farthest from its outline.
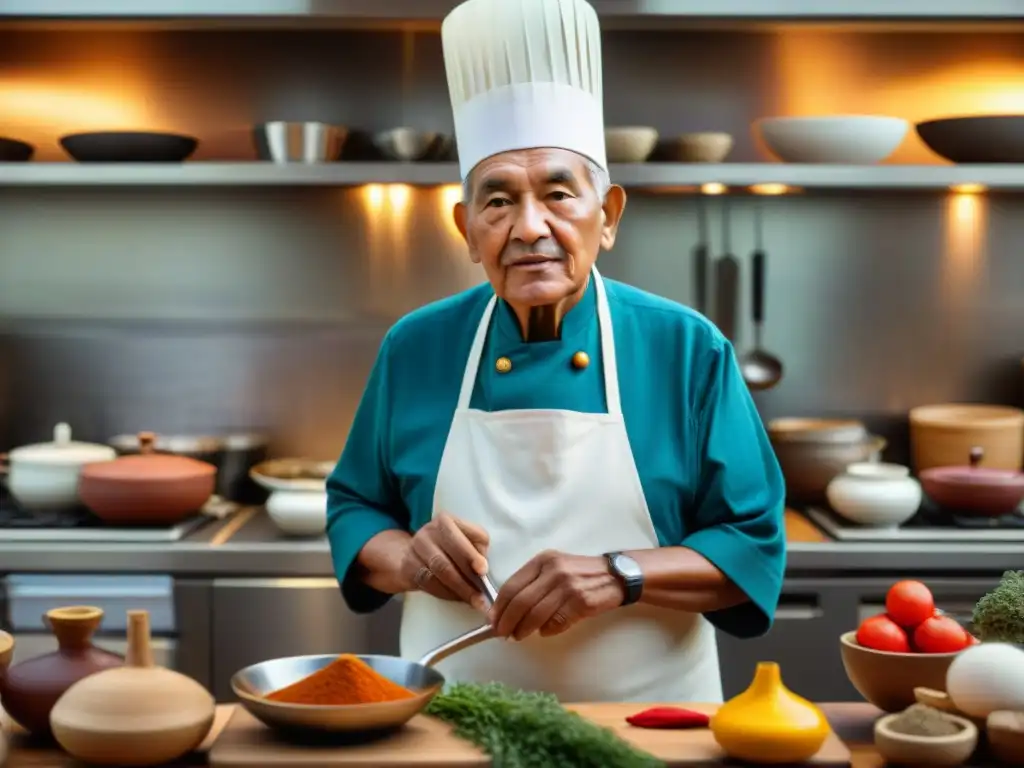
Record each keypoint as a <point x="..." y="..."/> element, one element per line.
<point x="727" y="282"/>
<point x="761" y="369"/>
<point x="701" y="259"/>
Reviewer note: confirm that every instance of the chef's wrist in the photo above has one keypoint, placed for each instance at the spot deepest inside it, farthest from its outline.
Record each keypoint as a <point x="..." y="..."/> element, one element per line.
<point x="380" y="562"/>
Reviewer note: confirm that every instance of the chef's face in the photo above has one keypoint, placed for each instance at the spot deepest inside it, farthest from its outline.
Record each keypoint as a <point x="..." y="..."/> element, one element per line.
<point x="536" y="223"/>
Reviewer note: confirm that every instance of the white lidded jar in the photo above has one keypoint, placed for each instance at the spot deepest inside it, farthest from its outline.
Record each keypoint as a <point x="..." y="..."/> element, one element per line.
<point x="44" y="477"/>
<point x="875" y="494"/>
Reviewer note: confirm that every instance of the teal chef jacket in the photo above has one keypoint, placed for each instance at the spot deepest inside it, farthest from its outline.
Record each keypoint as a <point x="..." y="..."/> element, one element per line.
<point x="709" y="474"/>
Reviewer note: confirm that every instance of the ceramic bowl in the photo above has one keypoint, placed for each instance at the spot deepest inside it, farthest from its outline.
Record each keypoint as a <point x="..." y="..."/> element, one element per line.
<point x="629" y="144"/>
<point x="888" y="679"/>
<point x="850" y="139"/>
<point x="980" y="139"/>
<point x="904" y="749"/>
<point x="877" y="495"/>
<point x="699" y="147"/>
<point x="299" y="513"/>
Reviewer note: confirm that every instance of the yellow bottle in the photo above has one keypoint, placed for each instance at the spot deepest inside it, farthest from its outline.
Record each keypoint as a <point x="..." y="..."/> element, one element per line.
<point x="768" y="723"/>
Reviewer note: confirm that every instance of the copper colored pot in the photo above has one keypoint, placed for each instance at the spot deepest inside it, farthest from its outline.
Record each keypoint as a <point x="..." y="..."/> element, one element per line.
<point x="147" y="489"/>
<point x="32" y="687"/>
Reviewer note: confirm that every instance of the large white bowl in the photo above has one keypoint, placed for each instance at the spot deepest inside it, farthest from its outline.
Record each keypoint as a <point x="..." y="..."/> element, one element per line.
<point x="850" y="139"/>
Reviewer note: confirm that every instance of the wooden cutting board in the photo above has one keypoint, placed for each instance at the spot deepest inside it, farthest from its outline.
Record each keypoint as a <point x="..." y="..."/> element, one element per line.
<point x="426" y="742"/>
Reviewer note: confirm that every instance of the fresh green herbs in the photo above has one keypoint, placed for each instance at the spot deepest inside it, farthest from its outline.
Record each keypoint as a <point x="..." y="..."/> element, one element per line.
<point x="999" y="615"/>
<point x="531" y="730"/>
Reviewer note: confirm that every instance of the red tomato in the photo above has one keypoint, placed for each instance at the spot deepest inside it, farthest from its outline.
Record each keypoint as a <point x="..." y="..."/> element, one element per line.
<point x="880" y="633"/>
<point x="909" y="603"/>
<point x="941" y="634"/>
<point x="972" y="640"/>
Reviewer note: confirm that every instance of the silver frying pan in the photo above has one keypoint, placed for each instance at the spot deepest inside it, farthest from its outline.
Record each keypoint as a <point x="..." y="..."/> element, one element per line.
<point x="254" y="682"/>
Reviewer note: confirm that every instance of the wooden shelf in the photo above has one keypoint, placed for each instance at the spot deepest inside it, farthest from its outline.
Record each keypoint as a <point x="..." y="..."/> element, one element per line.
<point x="680" y="177"/>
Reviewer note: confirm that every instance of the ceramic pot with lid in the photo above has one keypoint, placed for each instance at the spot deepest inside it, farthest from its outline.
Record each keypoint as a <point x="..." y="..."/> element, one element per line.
<point x="31" y="688"/>
<point x="877" y="495"/>
<point x="44" y="477"/>
<point x="147" y="489"/>
<point x="975" y="490"/>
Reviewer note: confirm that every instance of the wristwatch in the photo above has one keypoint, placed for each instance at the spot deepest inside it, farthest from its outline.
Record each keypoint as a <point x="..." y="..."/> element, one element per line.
<point x="627" y="570"/>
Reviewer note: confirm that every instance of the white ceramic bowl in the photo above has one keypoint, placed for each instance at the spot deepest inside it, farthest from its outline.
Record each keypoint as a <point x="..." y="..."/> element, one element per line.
<point x="849" y="139"/>
<point x="299" y="513"/>
<point x="630" y="143"/>
<point x="875" y="494"/>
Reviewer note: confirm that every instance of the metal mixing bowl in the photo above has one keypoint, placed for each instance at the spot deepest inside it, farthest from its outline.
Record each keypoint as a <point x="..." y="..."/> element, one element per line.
<point x="408" y="144"/>
<point x="308" y="143"/>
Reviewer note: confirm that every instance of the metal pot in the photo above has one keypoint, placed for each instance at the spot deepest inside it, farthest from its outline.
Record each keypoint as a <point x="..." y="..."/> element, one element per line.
<point x="44" y="477"/>
<point x="148" y="489"/>
<point x="233" y="455"/>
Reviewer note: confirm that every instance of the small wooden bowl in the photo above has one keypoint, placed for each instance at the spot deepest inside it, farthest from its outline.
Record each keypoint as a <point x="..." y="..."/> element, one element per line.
<point x="904" y="749"/>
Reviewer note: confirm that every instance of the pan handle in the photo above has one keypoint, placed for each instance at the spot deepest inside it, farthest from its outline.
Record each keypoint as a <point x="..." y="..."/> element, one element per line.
<point x="474" y="636"/>
<point x="460" y="643"/>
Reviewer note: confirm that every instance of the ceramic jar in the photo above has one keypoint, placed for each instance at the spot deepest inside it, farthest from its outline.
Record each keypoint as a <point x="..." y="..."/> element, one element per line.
<point x="298" y="494"/>
<point x="139" y="714"/>
<point x="875" y="494"/>
<point x="299" y="513"/>
<point x="44" y="477"/>
<point x="147" y="489"/>
<point x="31" y="688"/>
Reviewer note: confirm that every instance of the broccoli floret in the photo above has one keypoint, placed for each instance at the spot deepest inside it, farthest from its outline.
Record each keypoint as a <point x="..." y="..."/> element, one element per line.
<point x="999" y="615"/>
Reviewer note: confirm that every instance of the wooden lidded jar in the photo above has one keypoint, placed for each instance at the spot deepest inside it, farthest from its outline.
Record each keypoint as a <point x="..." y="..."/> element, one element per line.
<point x="31" y="688"/>
<point x="139" y="715"/>
<point x="149" y="488"/>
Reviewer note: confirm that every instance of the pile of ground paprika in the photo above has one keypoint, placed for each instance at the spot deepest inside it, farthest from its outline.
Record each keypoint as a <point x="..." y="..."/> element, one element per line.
<point x="346" y="680"/>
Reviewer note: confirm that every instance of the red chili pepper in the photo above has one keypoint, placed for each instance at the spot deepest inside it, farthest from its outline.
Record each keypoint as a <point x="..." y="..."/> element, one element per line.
<point x="669" y="717"/>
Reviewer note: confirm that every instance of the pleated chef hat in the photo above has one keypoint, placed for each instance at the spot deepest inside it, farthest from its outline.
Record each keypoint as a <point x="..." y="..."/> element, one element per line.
<point x="524" y="74"/>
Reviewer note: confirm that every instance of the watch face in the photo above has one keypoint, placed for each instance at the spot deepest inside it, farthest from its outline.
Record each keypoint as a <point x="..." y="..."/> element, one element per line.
<point x="627" y="566"/>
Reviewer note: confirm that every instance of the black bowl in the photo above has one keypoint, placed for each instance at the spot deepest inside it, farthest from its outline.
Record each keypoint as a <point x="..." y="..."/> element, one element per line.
<point x="14" y="151"/>
<point x="986" y="139"/>
<point x="129" y="147"/>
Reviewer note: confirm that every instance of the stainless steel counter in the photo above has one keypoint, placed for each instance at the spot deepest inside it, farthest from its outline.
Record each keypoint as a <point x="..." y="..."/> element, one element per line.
<point x="257" y="549"/>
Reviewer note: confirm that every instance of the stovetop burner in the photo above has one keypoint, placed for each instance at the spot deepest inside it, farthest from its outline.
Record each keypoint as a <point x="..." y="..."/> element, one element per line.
<point x="17" y="524"/>
<point x="931" y="523"/>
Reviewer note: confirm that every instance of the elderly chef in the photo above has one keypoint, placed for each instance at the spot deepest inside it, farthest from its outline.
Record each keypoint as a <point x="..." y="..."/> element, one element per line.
<point x="590" y="446"/>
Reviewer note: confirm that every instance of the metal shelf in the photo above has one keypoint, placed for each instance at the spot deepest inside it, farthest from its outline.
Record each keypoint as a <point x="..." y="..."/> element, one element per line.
<point x="672" y="176"/>
<point x="433" y="10"/>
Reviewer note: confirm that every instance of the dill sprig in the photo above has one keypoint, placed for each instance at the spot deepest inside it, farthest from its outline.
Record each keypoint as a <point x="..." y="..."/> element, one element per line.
<point x="519" y="729"/>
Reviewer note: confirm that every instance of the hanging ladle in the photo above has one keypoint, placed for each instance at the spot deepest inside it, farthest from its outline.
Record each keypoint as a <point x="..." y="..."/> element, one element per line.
<point x="761" y="370"/>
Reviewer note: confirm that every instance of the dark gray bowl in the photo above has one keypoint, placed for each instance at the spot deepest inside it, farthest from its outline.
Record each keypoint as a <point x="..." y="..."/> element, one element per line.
<point x="988" y="139"/>
<point x="14" y="151"/>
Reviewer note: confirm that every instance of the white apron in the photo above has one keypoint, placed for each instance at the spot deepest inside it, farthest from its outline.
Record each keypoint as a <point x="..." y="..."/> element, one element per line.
<point x="562" y="480"/>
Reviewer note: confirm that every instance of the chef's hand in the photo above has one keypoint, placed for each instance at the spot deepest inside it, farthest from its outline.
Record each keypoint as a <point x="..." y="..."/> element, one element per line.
<point x="552" y="592"/>
<point x="444" y="558"/>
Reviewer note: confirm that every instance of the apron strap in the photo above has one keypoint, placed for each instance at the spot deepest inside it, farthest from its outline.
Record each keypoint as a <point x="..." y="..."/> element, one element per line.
<point x="608" y="363"/>
<point x="475" y="353"/>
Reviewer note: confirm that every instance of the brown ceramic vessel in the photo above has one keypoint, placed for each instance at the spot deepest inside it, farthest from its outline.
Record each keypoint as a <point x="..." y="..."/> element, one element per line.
<point x="32" y="687"/>
<point x="973" y="489"/>
<point x="147" y="489"/>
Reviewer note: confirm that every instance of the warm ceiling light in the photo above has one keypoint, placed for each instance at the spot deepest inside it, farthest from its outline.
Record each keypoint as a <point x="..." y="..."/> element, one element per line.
<point x="772" y="188"/>
<point x="713" y="188"/>
<point x="968" y="189"/>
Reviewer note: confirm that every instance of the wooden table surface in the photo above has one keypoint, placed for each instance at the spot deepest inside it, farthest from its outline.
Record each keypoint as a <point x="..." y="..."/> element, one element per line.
<point x="853" y="722"/>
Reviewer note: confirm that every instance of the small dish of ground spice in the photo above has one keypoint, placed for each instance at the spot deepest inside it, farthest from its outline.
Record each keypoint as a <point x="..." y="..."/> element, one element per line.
<point x="345" y="681"/>
<point x="923" y="735"/>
